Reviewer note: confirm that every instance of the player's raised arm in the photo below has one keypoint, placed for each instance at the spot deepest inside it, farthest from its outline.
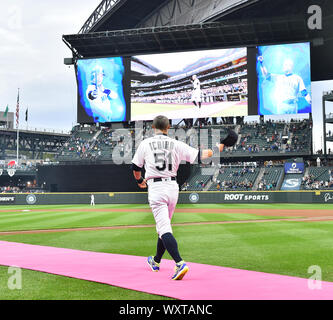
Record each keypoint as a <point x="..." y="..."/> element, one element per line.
<point x="208" y="153"/>
<point x="190" y="154"/>
<point x="263" y="69"/>
<point x="304" y="92"/>
<point x="229" y="141"/>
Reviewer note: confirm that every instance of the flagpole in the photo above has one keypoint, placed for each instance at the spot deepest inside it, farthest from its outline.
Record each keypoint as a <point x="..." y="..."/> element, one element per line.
<point x="17" y="151"/>
<point x="17" y="125"/>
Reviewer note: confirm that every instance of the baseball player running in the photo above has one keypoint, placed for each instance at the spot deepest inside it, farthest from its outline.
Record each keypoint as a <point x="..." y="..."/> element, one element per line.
<point x="161" y="156"/>
<point x="196" y="94"/>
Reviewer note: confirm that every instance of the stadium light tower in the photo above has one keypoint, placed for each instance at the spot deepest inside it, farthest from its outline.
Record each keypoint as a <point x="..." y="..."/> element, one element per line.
<point x="327" y="118"/>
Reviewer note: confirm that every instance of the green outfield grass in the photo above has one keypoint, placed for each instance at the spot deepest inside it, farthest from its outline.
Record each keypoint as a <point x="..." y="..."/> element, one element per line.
<point x="233" y="111"/>
<point x="42" y="286"/>
<point x="281" y="247"/>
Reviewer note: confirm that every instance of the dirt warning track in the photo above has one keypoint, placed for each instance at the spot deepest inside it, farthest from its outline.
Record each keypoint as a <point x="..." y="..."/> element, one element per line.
<point x="259" y="212"/>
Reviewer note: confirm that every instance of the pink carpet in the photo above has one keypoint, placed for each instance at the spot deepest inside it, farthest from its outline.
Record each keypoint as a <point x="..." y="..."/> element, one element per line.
<point x="203" y="282"/>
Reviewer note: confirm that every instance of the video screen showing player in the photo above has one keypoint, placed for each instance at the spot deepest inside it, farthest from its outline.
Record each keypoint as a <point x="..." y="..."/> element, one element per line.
<point x="284" y="79"/>
<point x="101" y="90"/>
<point x="198" y="84"/>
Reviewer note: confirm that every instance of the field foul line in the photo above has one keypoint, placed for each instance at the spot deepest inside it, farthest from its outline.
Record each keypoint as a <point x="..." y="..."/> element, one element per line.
<point x="310" y="219"/>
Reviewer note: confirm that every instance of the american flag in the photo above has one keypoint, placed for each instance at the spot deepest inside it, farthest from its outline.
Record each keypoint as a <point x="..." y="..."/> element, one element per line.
<point x="18" y="109"/>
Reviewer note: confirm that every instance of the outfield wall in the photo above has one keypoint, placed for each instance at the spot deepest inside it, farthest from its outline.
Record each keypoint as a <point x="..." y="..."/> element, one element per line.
<point x="184" y="197"/>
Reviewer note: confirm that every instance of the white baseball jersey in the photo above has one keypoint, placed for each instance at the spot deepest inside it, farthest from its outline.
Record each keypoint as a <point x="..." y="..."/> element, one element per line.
<point x="161" y="156"/>
<point x="288" y="87"/>
<point x="101" y="106"/>
<point x="196" y="84"/>
<point x="287" y="90"/>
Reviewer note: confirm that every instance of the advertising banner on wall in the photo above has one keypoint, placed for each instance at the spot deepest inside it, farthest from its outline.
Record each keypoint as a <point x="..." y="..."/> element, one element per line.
<point x="7" y="200"/>
<point x="294" y="167"/>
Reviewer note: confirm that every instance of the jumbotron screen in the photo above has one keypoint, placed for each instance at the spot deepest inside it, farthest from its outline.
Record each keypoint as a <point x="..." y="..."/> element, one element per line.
<point x="284" y="79"/>
<point x="263" y="80"/>
<point x="103" y="90"/>
<point x="196" y="84"/>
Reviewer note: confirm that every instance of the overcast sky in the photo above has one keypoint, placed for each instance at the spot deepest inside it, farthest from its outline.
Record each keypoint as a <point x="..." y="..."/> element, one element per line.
<point x="31" y="57"/>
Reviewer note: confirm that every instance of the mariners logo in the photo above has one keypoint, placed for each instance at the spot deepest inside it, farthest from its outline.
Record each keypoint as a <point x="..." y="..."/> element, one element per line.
<point x="194" y="197"/>
<point x="11" y="172"/>
<point x="31" y="199"/>
<point x="328" y="197"/>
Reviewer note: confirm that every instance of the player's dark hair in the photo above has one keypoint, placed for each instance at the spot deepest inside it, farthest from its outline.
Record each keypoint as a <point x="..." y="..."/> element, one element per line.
<point x="161" y="123"/>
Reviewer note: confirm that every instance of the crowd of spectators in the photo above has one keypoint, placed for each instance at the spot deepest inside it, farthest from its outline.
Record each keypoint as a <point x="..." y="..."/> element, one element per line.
<point x="234" y="179"/>
<point x="200" y="185"/>
<point x="310" y="182"/>
<point x="301" y="132"/>
<point x="81" y="144"/>
<point x="216" y="84"/>
<point x="10" y="189"/>
<point x="232" y="185"/>
<point x="264" y="185"/>
<point x="183" y="95"/>
<point x="185" y="186"/>
<point x="271" y="137"/>
<point x="16" y="189"/>
<point x="255" y="138"/>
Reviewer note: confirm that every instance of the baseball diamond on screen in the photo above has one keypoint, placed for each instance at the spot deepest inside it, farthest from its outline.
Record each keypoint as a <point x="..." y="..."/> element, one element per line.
<point x="198" y="84"/>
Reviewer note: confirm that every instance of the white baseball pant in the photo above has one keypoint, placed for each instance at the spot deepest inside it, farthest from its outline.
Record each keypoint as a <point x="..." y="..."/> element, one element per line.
<point x="196" y="95"/>
<point x="163" y="198"/>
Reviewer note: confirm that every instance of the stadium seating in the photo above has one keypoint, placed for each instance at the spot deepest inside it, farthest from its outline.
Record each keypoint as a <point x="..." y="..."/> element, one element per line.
<point x="269" y="138"/>
<point x="318" y="178"/>
<point x="198" y="181"/>
<point x="256" y="139"/>
<point x="270" y="178"/>
<point x="79" y="144"/>
<point x="236" y="178"/>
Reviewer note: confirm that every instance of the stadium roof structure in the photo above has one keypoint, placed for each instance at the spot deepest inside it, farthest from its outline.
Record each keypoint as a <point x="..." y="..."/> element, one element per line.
<point x="132" y="27"/>
<point x="191" y="37"/>
<point x="126" y="14"/>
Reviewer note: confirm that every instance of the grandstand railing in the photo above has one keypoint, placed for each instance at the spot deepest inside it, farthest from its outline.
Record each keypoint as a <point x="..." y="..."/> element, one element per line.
<point x="39" y="130"/>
